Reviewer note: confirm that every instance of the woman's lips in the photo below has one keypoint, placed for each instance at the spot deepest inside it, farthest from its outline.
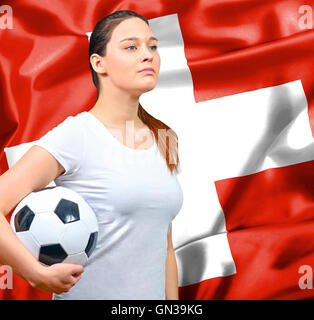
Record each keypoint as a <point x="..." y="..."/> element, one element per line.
<point x="148" y="70"/>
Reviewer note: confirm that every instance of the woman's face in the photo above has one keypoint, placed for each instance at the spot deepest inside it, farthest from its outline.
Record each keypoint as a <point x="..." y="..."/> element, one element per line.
<point x="125" y="58"/>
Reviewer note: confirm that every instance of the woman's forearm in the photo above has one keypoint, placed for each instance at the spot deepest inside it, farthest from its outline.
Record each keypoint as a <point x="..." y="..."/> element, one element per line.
<point x="15" y="254"/>
<point x="172" y="292"/>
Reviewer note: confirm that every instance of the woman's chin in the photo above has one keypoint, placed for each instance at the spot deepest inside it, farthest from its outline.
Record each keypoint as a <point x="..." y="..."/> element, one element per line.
<point x="149" y="86"/>
<point x="144" y="89"/>
<point x="148" y="89"/>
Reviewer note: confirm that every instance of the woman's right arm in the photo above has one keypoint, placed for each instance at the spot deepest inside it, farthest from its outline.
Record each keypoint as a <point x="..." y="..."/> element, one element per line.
<point x="34" y="171"/>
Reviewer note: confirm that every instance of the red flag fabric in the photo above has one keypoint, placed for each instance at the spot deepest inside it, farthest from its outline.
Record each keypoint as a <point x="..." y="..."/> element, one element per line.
<point x="231" y="47"/>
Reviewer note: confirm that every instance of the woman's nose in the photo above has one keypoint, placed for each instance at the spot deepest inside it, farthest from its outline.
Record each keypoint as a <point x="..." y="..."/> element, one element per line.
<point x="146" y="54"/>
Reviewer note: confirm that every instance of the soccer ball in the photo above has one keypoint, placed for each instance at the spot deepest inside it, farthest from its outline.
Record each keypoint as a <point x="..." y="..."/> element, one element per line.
<point x="56" y="225"/>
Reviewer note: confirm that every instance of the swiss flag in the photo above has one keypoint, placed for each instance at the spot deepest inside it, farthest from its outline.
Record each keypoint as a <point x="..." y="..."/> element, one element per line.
<point x="235" y="84"/>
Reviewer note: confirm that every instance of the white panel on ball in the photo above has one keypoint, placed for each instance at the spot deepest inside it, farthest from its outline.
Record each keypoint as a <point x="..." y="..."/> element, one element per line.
<point x="51" y="199"/>
<point x="39" y="228"/>
<point x="75" y="237"/>
<point x="79" y="258"/>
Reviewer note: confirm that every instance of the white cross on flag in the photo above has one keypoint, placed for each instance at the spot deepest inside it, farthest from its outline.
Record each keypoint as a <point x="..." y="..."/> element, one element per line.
<point x="236" y="86"/>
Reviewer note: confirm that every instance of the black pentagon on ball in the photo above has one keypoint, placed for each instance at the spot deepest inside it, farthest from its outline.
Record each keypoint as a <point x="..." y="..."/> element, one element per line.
<point x="23" y="219"/>
<point x="51" y="254"/>
<point x="67" y="211"/>
<point x="91" y="243"/>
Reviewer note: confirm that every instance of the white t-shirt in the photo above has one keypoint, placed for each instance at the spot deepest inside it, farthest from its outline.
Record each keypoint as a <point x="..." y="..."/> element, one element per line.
<point x="135" y="199"/>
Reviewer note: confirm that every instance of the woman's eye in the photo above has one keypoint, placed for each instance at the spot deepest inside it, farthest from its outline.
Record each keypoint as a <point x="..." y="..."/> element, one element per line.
<point x="154" y="47"/>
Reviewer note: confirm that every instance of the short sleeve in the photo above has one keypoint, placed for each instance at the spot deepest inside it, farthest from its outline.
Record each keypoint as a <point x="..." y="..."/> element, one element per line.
<point x="66" y="142"/>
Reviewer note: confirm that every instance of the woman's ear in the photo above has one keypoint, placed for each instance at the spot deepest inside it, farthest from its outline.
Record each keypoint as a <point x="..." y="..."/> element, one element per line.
<point x="98" y="63"/>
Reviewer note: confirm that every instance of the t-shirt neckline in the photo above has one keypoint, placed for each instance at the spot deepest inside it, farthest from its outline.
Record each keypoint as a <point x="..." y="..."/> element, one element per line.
<point x="106" y="130"/>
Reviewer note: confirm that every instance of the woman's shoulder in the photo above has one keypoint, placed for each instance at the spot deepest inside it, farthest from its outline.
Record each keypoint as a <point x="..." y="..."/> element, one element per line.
<point x="74" y="123"/>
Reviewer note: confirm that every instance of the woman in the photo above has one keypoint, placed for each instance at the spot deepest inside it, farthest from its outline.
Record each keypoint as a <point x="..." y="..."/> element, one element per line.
<point x="100" y="155"/>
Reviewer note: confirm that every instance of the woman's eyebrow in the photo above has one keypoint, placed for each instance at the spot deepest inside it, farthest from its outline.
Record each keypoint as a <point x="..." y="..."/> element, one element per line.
<point x="135" y="38"/>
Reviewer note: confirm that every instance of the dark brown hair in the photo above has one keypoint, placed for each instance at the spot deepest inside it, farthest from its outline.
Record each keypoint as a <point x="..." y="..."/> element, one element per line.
<point x="99" y="38"/>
